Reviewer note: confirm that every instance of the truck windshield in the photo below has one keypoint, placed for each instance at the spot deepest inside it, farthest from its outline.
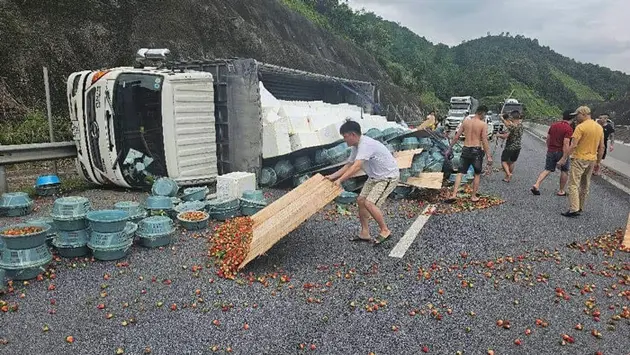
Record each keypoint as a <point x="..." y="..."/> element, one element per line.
<point x="460" y="106"/>
<point x="513" y="107"/>
<point x="138" y="125"/>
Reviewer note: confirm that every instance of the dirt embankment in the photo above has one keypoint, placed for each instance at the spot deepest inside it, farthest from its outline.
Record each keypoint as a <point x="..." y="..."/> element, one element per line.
<point x="72" y="35"/>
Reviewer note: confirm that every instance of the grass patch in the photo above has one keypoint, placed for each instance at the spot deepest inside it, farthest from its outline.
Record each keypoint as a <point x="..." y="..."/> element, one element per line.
<point x="68" y="185"/>
<point x="34" y="129"/>
<point x="307" y="11"/>
<point x="583" y="92"/>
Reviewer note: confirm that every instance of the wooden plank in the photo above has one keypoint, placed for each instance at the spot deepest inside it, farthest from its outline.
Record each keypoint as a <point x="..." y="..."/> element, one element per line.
<point x="403" y="158"/>
<point x="275" y="207"/>
<point x="626" y="238"/>
<point x="427" y="181"/>
<point x="285" y="214"/>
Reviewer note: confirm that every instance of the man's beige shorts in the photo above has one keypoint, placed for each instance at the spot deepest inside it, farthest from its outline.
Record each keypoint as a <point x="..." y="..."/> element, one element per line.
<point x="376" y="191"/>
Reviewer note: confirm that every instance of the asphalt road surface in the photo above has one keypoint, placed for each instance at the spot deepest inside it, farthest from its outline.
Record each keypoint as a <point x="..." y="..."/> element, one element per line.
<point x="463" y="274"/>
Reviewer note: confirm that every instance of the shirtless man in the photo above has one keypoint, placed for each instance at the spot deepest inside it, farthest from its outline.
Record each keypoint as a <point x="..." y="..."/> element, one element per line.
<point x="475" y="130"/>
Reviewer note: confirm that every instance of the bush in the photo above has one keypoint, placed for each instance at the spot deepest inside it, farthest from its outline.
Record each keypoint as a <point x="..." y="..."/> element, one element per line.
<point x="34" y="129"/>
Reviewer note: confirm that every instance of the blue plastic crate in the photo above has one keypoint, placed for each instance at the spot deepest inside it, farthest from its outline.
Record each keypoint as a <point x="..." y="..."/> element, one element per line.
<point x="73" y="252"/>
<point x="46" y="180"/>
<point x="112" y="240"/>
<point x="133" y="208"/>
<point x="302" y="163"/>
<point x="3" y="281"/>
<point x="113" y="253"/>
<point x="70" y="225"/>
<point x="15" y="204"/>
<point x="195" y="193"/>
<point x="107" y="221"/>
<point x="374" y="133"/>
<point x="346" y="198"/>
<point x="165" y="187"/>
<point x="70" y="208"/>
<point x="155" y="226"/>
<point x="159" y="203"/>
<point x="253" y="195"/>
<point x="223" y="204"/>
<point x="268" y="177"/>
<point x="193" y="225"/>
<point x="20" y="259"/>
<point x="26" y="241"/>
<point x="71" y="239"/>
<point x="190" y="206"/>
<point x="224" y="214"/>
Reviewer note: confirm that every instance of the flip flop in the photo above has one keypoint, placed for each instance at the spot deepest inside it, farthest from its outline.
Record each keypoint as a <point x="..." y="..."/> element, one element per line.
<point x="359" y="239"/>
<point x="562" y="195"/>
<point x="475" y="201"/>
<point x="535" y="191"/>
<point x="450" y="200"/>
<point x="381" y="239"/>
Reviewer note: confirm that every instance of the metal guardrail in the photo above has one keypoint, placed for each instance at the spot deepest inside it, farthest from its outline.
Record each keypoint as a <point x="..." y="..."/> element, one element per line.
<point x="26" y="153"/>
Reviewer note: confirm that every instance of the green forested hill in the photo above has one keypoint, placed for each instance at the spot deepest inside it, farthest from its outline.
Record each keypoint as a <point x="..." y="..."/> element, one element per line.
<point x="488" y="68"/>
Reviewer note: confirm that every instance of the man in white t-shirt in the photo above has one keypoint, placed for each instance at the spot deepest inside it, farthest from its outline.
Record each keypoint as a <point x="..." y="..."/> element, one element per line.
<point x="382" y="170"/>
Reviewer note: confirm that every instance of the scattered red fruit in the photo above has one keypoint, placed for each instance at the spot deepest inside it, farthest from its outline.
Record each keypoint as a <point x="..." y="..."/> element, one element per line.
<point x="313" y="347"/>
<point x="425" y="349"/>
<point x="245" y="326"/>
<point x="517" y="342"/>
<point x="70" y="339"/>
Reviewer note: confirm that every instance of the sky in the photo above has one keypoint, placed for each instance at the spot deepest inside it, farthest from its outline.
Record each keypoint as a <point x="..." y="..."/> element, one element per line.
<point x="592" y="31"/>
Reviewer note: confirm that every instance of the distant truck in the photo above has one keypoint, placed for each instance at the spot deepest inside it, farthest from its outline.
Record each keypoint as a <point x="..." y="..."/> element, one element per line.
<point x="512" y="105"/>
<point x="189" y="121"/>
<point x="460" y="107"/>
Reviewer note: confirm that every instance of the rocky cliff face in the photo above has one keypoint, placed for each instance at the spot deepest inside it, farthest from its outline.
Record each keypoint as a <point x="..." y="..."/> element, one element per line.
<point x="72" y="35"/>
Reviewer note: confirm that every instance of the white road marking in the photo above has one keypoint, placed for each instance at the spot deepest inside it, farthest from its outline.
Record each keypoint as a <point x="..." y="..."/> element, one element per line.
<point x="405" y="242"/>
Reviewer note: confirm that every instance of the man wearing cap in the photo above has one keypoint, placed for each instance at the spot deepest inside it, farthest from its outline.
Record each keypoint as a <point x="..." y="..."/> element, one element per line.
<point x="586" y="151"/>
<point x="558" y="142"/>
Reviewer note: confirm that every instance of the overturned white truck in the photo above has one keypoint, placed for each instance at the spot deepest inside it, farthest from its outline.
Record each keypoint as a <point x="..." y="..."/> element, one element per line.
<point x="192" y="121"/>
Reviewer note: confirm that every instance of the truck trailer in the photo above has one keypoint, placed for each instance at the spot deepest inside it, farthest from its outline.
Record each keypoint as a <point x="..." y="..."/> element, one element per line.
<point x="190" y="121"/>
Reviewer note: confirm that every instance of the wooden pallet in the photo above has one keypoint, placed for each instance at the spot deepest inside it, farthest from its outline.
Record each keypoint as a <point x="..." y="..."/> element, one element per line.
<point x="284" y="215"/>
<point x="426" y="181"/>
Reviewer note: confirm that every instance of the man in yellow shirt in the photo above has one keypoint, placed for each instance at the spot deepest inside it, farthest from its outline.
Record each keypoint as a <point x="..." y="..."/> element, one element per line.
<point x="430" y="123"/>
<point x="586" y="151"/>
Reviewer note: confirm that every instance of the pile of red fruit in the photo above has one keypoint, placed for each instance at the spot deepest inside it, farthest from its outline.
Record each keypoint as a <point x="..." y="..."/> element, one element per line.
<point x="230" y="244"/>
<point x="193" y="216"/>
<point x="16" y="232"/>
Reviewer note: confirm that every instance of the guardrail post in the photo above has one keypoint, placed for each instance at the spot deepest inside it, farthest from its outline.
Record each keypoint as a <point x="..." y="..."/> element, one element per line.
<point x="4" y="187"/>
<point x="49" y="111"/>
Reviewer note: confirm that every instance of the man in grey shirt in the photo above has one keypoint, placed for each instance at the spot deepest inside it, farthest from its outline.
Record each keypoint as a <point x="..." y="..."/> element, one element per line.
<point x="382" y="170"/>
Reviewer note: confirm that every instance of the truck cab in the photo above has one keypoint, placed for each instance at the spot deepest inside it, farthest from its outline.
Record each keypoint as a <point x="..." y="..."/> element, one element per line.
<point x="460" y="107"/>
<point x="130" y="123"/>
